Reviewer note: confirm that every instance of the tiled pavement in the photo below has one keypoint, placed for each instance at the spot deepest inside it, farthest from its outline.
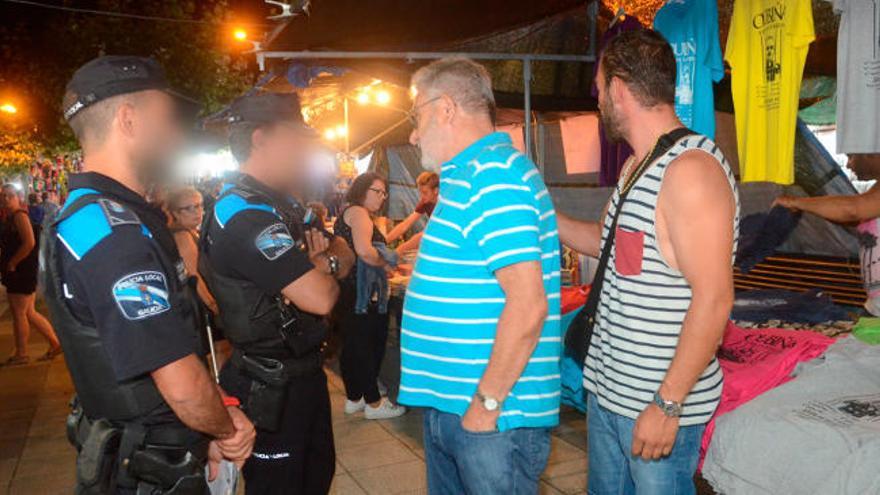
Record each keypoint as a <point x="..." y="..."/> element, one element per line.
<point x="373" y="457"/>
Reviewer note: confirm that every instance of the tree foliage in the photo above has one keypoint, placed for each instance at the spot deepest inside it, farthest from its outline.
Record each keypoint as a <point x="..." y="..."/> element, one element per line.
<point x="40" y="51"/>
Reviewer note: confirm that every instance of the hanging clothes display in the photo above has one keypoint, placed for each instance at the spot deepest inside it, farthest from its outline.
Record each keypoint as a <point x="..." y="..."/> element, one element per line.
<point x="613" y="155"/>
<point x="858" y="76"/>
<point x="766" y="48"/>
<point x="691" y="27"/>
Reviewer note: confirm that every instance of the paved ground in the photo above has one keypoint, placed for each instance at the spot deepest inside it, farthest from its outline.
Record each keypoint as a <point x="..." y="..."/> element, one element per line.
<point x="374" y="457"/>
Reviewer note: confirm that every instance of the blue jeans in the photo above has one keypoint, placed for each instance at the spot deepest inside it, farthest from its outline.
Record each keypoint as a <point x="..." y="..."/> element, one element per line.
<point x="463" y="462"/>
<point x="614" y="470"/>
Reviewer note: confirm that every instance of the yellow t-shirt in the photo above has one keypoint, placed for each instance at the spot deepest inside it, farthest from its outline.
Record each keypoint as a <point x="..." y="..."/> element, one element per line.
<point x="766" y="49"/>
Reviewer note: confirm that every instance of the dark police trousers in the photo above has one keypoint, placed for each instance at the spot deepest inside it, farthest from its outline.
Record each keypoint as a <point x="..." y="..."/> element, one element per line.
<point x="300" y="457"/>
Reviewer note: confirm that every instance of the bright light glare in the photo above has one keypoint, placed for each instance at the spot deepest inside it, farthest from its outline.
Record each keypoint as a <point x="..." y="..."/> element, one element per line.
<point x="240" y="34"/>
<point x="383" y="97"/>
<point x="8" y="108"/>
<point x="209" y="164"/>
<point x="341" y="130"/>
<point x="363" y="163"/>
<point x="17" y="185"/>
<point x="330" y="134"/>
<point x="363" y="98"/>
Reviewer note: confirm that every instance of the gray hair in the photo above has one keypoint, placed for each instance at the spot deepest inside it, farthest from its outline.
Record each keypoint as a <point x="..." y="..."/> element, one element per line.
<point x="460" y="78"/>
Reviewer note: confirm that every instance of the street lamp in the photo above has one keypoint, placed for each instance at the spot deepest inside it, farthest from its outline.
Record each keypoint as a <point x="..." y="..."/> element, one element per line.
<point x="8" y="108"/>
<point x="241" y="35"/>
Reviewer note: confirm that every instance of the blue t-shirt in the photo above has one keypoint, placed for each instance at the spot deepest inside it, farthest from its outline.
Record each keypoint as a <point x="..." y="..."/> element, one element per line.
<point x="691" y="27"/>
<point x="494" y="211"/>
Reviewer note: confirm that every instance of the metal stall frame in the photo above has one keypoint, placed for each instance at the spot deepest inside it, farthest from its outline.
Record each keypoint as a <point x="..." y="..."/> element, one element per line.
<point x="526" y="59"/>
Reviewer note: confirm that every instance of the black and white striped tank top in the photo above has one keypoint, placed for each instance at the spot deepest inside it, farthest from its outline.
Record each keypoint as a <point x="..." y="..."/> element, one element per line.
<point x="643" y="304"/>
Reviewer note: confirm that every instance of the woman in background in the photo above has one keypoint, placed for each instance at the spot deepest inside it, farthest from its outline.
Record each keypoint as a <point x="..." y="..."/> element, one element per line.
<point x="18" y="273"/>
<point x="185" y="208"/>
<point x="364" y="321"/>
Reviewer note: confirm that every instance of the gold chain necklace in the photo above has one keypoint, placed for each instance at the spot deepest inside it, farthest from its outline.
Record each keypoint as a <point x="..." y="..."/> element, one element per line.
<point x="635" y="174"/>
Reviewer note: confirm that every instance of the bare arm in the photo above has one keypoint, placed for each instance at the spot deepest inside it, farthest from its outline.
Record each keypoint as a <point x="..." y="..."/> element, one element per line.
<point x="362" y="235"/>
<point x="411" y="244"/>
<point x="838" y="209"/>
<point x="186" y="245"/>
<point x="583" y="237"/>
<point x="699" y="221"/>
<point x="26" y="234"/>
<point x="702" y="246"/>
<point x="193" y="396"/>
<point x="403" y="227"/>
<point x="517" y="335"/>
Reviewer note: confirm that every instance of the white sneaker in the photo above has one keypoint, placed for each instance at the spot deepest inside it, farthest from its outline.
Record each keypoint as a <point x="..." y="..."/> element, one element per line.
<point x="385" y="410"/>
<point x="354" y="407"/>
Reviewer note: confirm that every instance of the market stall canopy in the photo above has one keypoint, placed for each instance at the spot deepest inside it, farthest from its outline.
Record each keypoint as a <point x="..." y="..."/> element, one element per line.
<point x="549" y="27"/>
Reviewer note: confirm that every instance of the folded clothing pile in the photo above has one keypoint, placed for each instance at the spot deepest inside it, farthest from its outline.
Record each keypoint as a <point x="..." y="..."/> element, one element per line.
<point x="816" y="434"/>
<point x="811" y="307"/>
<point x="755" y="361"/>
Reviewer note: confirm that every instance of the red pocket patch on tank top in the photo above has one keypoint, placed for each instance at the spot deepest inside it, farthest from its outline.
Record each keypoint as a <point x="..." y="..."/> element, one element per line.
<point x="629" y="250"/>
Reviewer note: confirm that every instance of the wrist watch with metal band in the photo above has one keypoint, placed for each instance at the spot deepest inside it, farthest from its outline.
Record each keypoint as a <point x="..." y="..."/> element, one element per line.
<point x="489" y="403"/>
<point x="670" y="408"/>
<point x="333" y="263"/>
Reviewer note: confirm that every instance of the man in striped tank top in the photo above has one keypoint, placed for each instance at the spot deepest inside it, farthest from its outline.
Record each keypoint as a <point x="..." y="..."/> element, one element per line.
<point x="650" y="373"/>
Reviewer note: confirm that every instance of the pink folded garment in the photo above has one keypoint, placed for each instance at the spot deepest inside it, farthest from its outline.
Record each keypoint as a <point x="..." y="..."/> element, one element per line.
<point x="755" y="361"/>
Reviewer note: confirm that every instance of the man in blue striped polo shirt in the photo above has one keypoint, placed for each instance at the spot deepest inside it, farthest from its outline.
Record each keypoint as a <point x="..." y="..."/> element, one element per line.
<point x="480" y="338"/>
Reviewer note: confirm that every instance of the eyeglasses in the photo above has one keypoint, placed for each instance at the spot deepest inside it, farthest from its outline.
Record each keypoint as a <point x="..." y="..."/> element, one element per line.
<point x="413" y="114"/>
<point x="192" y="208"/>
<point x="380" y="192"/>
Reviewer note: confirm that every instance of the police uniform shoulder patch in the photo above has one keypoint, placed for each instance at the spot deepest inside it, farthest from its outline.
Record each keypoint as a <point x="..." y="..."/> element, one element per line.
<point x="141" y="295"/>
<point x="117" y="214"/>
<point x="274" y="241"/>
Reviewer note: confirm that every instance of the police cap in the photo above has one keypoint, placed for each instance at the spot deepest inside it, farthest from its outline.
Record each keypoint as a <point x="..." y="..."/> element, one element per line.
<point x="113" y="75"/>
<point x="268" y="108"/>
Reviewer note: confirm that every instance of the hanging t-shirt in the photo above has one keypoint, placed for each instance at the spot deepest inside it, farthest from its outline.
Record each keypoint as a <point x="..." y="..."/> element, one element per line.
<point x="766" y="48"/>
<point x="691" y="27"/>
<point x="869" y="253"/>
<point x="858" y="76"/>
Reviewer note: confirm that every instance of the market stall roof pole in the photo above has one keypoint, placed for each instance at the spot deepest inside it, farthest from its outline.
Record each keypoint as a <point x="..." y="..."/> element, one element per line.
<point x="525" y="58"/>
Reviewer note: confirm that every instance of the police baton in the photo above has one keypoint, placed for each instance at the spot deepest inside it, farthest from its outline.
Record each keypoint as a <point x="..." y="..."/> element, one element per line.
<point x="226" y="482"/>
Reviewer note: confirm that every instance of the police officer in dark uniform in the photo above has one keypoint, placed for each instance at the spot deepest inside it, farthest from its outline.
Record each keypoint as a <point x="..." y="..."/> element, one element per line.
<point x="148" y="415"/>
<point x="272" y="278"/>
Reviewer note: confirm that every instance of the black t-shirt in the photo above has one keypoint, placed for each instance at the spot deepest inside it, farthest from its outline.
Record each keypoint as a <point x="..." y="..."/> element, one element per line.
<point x="251" y="242"/>
<point x="115" y="280"/>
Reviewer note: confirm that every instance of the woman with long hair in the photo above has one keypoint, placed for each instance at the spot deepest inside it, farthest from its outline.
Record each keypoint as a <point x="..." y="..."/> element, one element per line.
<point x="361" y="312"/>
<point x="18" y="272"/>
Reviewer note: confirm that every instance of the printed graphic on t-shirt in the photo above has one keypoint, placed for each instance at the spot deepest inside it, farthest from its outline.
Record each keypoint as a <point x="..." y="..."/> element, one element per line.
<point x="686" y="63"/>
<point x="869" y="254"/>
<point x="770" y="24"/>
<point x="755" y="347"/>
<point x="858" y="410"/>
<point x="872" y="67"/>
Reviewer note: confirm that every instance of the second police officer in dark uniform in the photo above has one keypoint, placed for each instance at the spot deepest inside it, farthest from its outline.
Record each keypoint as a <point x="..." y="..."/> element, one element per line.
<point x="271" y="277"/>
<point x="149" y="415"/>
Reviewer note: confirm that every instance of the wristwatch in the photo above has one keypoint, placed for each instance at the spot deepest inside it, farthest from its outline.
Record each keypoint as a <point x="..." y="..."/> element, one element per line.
<point x="670" y="408"/>
<point x="333" y="263"/>
<point x="489" y="403"/>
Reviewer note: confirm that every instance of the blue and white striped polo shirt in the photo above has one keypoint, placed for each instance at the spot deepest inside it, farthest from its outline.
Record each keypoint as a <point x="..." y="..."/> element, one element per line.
<point x="494" y="211"/>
